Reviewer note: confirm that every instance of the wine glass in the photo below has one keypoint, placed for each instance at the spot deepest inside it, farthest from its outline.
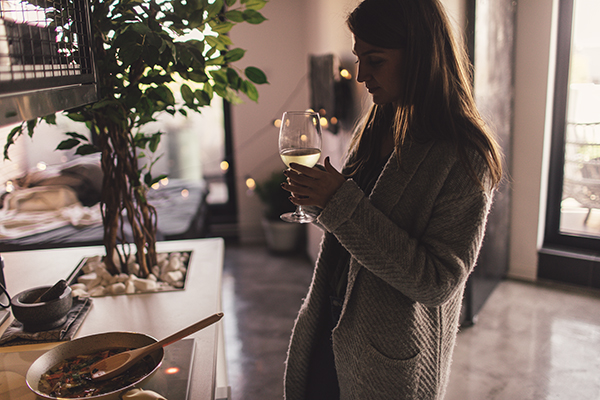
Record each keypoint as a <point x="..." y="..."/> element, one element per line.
<point x="299" y="142"/>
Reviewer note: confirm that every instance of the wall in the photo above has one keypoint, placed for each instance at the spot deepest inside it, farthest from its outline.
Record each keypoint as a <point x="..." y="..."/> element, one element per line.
<point x="534" y="81"/>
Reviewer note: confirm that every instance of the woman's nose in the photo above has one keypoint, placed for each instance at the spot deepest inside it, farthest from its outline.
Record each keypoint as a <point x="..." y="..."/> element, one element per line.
<point x="360" y="75"/>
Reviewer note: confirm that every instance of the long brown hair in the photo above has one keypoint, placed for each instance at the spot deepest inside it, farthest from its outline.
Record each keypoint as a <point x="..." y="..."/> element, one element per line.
<point x="437" y="100"/>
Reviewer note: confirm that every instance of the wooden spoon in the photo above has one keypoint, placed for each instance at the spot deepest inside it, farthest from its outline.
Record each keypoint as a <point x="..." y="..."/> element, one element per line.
<point x="119" y="363"/>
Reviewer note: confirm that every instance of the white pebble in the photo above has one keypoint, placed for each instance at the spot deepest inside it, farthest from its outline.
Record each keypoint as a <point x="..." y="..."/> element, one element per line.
<point x="145" y="285"/>
<point x="134" y="269"/>
<point x="98" y="291"/>
<point x="117" y="288"/>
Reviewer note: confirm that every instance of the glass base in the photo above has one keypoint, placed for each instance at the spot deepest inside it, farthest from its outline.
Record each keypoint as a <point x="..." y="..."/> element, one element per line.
<point x="296" y="217"/>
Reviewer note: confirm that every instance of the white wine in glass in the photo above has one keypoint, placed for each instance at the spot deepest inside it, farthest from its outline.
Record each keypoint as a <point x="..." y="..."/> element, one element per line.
<point x="300" y="143"/>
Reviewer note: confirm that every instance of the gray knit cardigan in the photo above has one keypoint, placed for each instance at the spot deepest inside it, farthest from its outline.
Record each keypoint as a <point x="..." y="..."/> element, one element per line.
<point x="414" y="241"/>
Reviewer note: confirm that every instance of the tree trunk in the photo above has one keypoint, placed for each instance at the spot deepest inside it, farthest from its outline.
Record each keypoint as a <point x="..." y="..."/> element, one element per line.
<point x="123" y="201"/>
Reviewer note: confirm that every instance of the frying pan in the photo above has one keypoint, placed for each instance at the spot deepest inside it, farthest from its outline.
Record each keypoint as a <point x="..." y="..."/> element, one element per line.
<point x="87" y="345"/>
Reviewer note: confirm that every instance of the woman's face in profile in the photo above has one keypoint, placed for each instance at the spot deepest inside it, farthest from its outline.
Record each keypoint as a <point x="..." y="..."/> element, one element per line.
<point x="380" y="70"/>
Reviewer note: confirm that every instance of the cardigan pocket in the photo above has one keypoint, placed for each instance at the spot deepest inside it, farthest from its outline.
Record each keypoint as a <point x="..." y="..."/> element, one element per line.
<point x="381" y="377"/>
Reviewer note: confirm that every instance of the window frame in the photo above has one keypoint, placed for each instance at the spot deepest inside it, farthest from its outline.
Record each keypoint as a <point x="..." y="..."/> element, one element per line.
<point x="553" y="237"/>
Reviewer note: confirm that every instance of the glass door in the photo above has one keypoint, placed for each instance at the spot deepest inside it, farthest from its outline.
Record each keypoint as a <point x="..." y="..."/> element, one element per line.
<point x="580" y="207"/>
<point x="574" y="185"/>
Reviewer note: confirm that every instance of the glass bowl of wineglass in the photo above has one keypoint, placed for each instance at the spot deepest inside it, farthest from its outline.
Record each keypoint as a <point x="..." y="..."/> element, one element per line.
<point x="299" y="142"/>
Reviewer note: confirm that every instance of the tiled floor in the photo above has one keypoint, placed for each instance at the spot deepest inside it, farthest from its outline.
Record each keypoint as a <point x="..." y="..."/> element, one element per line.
<point x="530" y="342"/>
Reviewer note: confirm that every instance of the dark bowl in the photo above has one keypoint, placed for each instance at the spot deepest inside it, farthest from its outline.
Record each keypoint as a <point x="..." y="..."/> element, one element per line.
<point x="44" y="315"/>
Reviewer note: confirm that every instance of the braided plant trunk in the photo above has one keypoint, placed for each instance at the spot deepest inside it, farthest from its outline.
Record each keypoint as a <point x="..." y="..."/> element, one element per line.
<point x="123" y="202"/>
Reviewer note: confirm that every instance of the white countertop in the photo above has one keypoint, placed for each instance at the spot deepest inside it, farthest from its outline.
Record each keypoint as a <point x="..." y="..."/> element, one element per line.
<point x="156" y="314"/>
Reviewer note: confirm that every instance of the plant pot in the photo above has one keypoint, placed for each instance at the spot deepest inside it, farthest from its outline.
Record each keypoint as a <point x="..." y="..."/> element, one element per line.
<point x="282" y="237"/>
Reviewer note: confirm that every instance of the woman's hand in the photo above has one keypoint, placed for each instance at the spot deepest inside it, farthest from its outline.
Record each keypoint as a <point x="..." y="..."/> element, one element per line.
<point x="312" y="186"/>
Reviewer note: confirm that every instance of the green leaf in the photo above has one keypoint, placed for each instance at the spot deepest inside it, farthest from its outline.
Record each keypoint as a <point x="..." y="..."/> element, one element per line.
<point x="198" y="76"/>
<point x="222" y="27"/>
<point x="67" y="144"/>
<point x="10" y="140"/>
<point x="76" y="136"/>
<point x="226" y="40"/>
<point x="31" y="124"/>
<point x="233" y="78"/>
<point x="50" y="119"/>
<point x="213" y="41"/>
<point x="154" y="142"/>
<point x="86" y="149"/>
<point x="129" y="53"/>
<point x="254" y="4"/>
<point x="256" y="75"/>
<point x="196" y="20"/>
<point x="221" y="90"/>
<point x="214" y="8"/>
<point x="203" y="97"/>
<point x="249" y="90"/>
<point x="187" y="94"/>
<point x="209" y="90"/>
<point x="131" y="95"/>
<point x="234" y="55"/>
<point x="230" y="2"/>
<point x="235" y="16"/>
<point x="216" y="61"/>
<point x="253" y="17"/>
<point x="219" y="76"/>
<point x="157" y="179"/>
<point x="151" y="55"/>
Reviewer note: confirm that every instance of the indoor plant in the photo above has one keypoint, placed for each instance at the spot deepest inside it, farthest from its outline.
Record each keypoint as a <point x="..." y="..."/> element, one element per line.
<point x="281" y="236"/>
<point x="144" y="50"/>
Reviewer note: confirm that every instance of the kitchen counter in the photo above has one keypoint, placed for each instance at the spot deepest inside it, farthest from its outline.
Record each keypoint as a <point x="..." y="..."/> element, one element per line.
<point x="155" y="314"/>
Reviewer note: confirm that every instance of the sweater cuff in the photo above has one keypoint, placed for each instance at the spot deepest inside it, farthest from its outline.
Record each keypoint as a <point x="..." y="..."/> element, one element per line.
<point x="341" y="206"/>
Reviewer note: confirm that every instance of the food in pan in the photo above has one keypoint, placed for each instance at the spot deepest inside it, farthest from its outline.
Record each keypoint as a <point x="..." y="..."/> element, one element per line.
<point x="71" y="378"/>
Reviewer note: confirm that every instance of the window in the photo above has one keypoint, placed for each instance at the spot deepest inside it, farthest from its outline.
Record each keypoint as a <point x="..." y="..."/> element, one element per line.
<point x="573" y="213"/>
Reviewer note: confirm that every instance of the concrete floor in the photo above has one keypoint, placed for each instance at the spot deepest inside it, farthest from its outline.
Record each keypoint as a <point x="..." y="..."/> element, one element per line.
<point x="530" y="342"/>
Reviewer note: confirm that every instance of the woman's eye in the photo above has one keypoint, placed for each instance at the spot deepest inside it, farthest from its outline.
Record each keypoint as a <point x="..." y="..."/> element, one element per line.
<point x="375" y="63"/>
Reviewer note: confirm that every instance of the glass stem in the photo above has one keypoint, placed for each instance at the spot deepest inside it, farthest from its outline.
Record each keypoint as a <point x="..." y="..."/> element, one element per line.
<point x="299" y="211"/>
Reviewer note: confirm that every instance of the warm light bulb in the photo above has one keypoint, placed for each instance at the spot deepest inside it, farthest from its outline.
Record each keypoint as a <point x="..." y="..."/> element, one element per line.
<point x="345" y="74"/>
<point x="303" y="138"/>
<point x="333" y="120"/>
<point x="155" y="186"/>
<point x="224" y="166"/>
<point x="164" y="181"/>
<point x="10" y="186"/>
<point x="185" y="193"/>
<point x="277" y="123"/>
<point x="171" y="370"/>
<point x="250" y="183"/>
<point x="324" y="122"/>
<point x="41" y="166"/>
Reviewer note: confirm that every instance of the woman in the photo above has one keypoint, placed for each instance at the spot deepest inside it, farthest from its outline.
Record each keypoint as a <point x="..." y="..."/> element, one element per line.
<point x="404" y="222"/>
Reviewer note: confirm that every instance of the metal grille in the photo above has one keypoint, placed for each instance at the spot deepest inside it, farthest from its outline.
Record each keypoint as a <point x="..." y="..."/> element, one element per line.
<point x="44" y="43"/>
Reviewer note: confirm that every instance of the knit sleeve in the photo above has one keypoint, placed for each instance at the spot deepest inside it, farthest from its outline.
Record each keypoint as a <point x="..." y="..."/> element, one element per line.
<point x="428" y="266"/>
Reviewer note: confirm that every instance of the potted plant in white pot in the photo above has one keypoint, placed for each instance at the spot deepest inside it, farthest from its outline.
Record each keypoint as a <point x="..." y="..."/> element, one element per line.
<point x="281" y="237"/>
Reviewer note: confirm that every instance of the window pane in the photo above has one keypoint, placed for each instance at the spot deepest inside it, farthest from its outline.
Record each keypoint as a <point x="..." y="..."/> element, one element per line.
<point x="580" y="206"/>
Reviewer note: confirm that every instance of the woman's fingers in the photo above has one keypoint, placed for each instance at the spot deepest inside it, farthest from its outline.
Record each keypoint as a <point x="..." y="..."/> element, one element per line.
<point x="312" y="186"/>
